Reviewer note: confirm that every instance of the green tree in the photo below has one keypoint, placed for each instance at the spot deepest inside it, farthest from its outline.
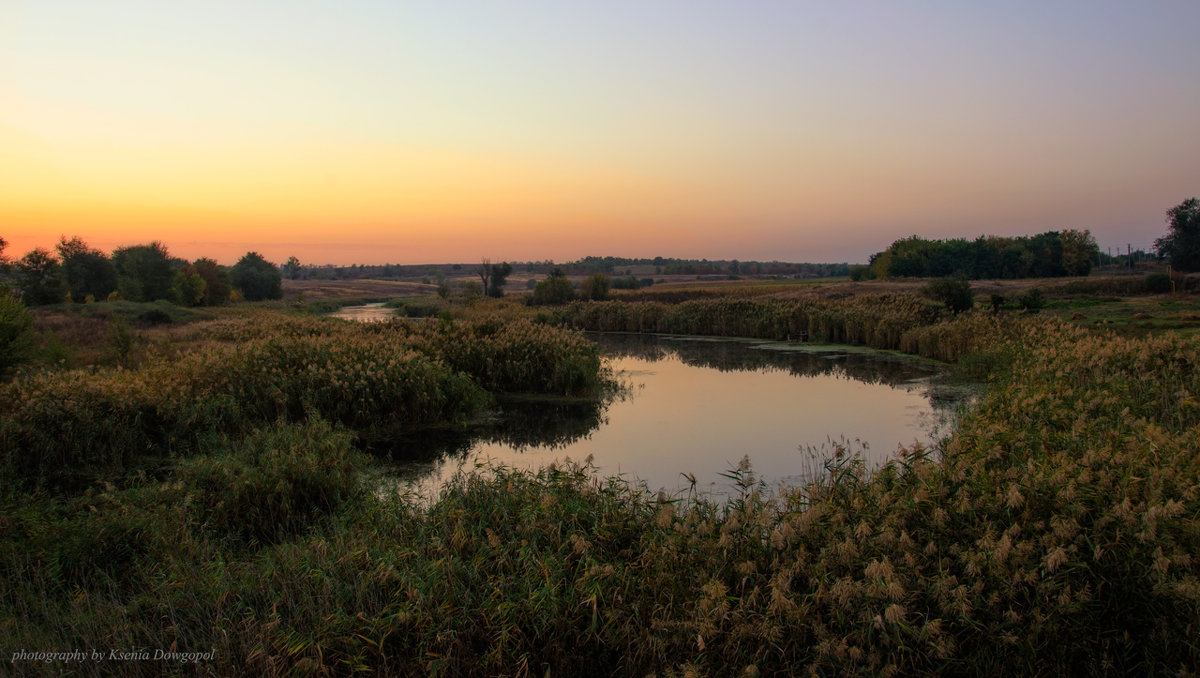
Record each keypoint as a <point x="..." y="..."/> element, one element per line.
<point x="257" y="278"/>
<point x="145" y="273"/>
<point x="39" y="278"/>
<point x="1181" y="244"/>
<point x="217" y="286"/>
<point x="16" y="331"/>
<point x="85" y="270"/>
<point x="595" y="287"/>
<point x="1078" y="251"/>
<point x="555" y="289"/>
<point x="190" y="286"/>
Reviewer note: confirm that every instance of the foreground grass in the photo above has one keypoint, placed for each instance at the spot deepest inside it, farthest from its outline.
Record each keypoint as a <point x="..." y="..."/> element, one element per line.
<point x="1057" y="533"/>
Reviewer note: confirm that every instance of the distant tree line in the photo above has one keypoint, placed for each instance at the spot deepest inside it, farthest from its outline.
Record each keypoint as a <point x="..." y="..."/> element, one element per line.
<point x="294" y="270"/>
<point x="725" y="267"/>
<point x="75" y="272"/>
<point x="1046" y="255"/>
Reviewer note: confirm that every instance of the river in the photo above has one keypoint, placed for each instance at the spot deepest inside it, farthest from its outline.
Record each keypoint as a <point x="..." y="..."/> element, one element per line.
<point x="693" y="408"/>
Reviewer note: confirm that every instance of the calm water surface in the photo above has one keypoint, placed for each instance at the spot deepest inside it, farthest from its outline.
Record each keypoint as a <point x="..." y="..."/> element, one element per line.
<point x="698" y="406"/>
<point x="366" y="313"/>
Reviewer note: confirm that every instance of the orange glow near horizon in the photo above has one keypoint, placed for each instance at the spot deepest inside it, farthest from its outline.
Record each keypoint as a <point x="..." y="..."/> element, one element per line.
<point x="394" y="134"/>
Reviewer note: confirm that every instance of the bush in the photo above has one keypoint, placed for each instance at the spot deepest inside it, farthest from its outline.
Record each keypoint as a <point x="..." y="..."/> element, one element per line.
<point x="155" y="316"/>
<point x="955" y="292"/>
<point x="859" y="272"/>
<point x="1032" y="300"/>
<point x="555" y="289"/>
<point x="1158" y="283"/>
<point x="997" y="301"/>
<point x="276" y="481"/>
<point x="595" y="287"/>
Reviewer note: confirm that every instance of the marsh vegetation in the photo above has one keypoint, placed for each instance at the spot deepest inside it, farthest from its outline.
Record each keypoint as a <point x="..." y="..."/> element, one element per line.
<point x="215" y="492"/>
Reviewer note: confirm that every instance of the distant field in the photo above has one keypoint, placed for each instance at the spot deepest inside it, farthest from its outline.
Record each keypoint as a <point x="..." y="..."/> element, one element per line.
<point x="353" y="289"/>
<point x="1096" y="300"/>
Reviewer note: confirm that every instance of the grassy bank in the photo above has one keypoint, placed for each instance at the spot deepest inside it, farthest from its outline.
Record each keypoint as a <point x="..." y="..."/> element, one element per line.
<point x="1057" y="533"/>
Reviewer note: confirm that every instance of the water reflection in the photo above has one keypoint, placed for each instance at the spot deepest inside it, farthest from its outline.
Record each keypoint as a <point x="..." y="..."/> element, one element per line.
<point x="373" y="312"/>
<point x="694" y="407"/>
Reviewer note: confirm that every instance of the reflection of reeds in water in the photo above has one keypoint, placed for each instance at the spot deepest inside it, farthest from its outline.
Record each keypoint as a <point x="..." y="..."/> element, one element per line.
<point x="727" y="355"/>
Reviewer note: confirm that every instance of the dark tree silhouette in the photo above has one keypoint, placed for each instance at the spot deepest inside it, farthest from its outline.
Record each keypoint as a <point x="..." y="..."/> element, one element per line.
<point x="39" y="278"/>
<point x="86" y="271"/>
<point x="257" y="278"/>
<point x="1181" y="245"/>
<point x="145" y="272"/>
<point x="500" y="273"/>
<point x="292" y="268"/>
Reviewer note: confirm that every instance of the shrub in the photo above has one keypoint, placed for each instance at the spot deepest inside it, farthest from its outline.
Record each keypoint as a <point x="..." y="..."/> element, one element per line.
<point x="555" y="289"/>
<point x="953" y="291"/>
<point x="595" y="287"/>
<point x="1032" y="300"/>
<point x="997" y="301"/>
<point x="274" y="482"/>
<point x="860" y="272"/>
<point x="155" y="316"/>
<point x="1158" y="283"/>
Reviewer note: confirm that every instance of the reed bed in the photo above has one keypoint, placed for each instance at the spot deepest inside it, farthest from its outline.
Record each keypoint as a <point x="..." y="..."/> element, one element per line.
<point x="1056" y="532"/>
<point x="376" y="380"/>
<point x="875" y="321"/>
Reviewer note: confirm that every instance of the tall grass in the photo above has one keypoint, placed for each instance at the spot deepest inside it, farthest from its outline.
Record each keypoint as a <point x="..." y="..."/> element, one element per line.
<point x="67" y="426"/>
<point x="878" y="322"/>
<point x="1057" y="532"/>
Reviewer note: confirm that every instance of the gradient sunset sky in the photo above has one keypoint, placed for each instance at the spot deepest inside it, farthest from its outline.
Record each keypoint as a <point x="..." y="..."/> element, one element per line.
<point x="417" y="132"/>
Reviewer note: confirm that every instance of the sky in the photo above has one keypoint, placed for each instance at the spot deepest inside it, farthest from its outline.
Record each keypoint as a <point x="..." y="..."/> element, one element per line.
<point x="421" y="132"/>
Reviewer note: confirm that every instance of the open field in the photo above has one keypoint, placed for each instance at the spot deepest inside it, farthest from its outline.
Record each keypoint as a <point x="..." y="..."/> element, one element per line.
<point x="314" y="290"/>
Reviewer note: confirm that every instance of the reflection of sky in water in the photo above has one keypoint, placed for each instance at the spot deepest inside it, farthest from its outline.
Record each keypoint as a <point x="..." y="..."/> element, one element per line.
<point x="366" y="313"/>
<point x="691" y="418"/>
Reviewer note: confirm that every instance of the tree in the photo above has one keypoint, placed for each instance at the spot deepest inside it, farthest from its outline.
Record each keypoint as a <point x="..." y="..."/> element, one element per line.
<point x="145" y="272"/>
<point x="292" y="268"/>
<point x="595" y="287"/>
<point x="39" y="278"/>
<point x="500" y="273"/>
<point x="257" y="278"/>
<point x="16" y="330"/>
<point x="87" y="272"/>
<point x="485" y="273"/>
<point x="555" y="289"/>
<point x="1078" y="251"/>
<point x="4" y="263"/>
<point x="190" y="286"/>
<point x="217" y="286"/>
<point x="1181" y="245"/>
